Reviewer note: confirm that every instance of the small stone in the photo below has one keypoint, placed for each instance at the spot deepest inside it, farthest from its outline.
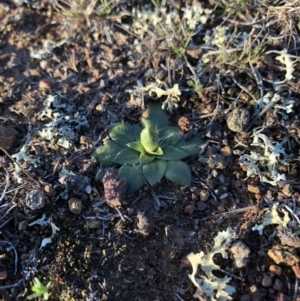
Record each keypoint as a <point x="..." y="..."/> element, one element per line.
<point x="204" y="195"/>
<point x="189" y="209"/>
<point x="253" y="188"/>
<point x="275" y="269"/>
<point x="217" y="162"/>
<point x="75" y="206"/>
<point x="8" y="136"/>
<point x="296" y="270"/>
<point x="3" y="275"/>
<point x="278" y="285"/>
<point x="22" y="226"/>
<point x="226" y="151"/>
<point x="287" y="190"/>
<point x="240" y="253"/>
<point x="130" y="211"/>
<point x="93" y="224"/>
<point x="201" y="206"/>
<point x="221" y="209"/>
<point x="214" y="131"/>
<point x="245" y="298"/>
<point x="255" y="293"/>
<point x="267" y="281"/>
<point x="238" y="119"/>
<point x="49" y="190"/>
<point x="85" y="140"/>
<point x="35" y="200"/>
<point x="46" y="84"/>
<point x="224" y="196"/>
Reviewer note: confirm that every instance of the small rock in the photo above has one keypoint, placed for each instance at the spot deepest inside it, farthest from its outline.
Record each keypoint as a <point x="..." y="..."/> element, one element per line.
<point x="284" y="255"/>
<point x="8" y="136"/>
<point x="255" y="293"/>
<point x="278" y="285"/>
<point x="201" y="206"/>
<point x="3" y="275"/>
<point x="267" y="281"/>
<point x="240" y="253"/>
<point x="296" y="270"/>
<point x="217" y="162"/>
<point x="49" y="190"/>
<point x="189" y="209"/>
<point x="226" y="151"/>
<point x="214" y="131"/>
<point x="114" y="188"/>
<point x="75" y="206"/>
<point x="245" y="298"/>
<point x="46" y="84"/>
<point x="221" y="209"/>
<point x="35" y="200"/>
<point x="184" y="124"/>
<point x="253" y="188"/>
<point x="277" y="270"/>
<point x="287" y="190"/>
<point x="22" y="226"/>
<point x="77" y="182"/>
<point x="93" y="224"/>
<point x="238" y="119"/>
<point x="204" y="195"/>
<point x="283" y="297"/>
<point x="85" y="140"/>
<point x="130" y="211"/>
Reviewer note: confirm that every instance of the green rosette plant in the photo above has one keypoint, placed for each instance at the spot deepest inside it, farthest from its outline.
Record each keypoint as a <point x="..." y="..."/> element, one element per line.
<point x="149" y="152"/>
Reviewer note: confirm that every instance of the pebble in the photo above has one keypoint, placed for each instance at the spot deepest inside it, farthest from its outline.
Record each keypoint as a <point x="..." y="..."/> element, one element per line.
<point x="287" y="190"/>
<point x="49" y="190"/>
<point x="75" y="206"/>
<point x="204" y="195"/>
<point x="278" y="285"/>
<point x="255" y="293"/>
<point x="201" y="206"/>
<point x="267" y="281"/>
<point x="221" y="209"/>
<point x="3" y="275"/>
<point x="22" y="226"/>
<point x="253" y="189"/>
<point x="226" y="151"/>
<point x="189" y="209"/>
<point x="245" y="298"/>
<point x="35" y="200"/>
<point x="238" y="119"/>
<point x="93" y="224"/>
<point x="217" y="162"/>
<point x="8" y="136"/>
<point x="277" y="270"/>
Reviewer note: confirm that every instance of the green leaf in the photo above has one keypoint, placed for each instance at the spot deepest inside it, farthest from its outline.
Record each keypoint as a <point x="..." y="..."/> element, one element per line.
<point x="179" y="172"/>
<point x="137" y="132"/>
<point x="173" y="153"/>
<point x="157" y="152"/>
<point x="127" y="156"/>
<point x="163" y="142"/>
<point x="154" y="171"/>
<point x="174" y="134"/>
<point x="154" y="117"/>
<point x="191" y="146"/>
<point x="145" y="159"/>
<point x="105" y="153"/>
<point x="133" y="176"/>
<point x="121" y="133"/>
<point x="137" y="145"/>
<point x="149" y="139"/>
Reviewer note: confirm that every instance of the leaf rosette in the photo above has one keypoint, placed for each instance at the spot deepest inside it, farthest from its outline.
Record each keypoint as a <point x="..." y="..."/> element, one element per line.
<point x="149" y="152"/>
